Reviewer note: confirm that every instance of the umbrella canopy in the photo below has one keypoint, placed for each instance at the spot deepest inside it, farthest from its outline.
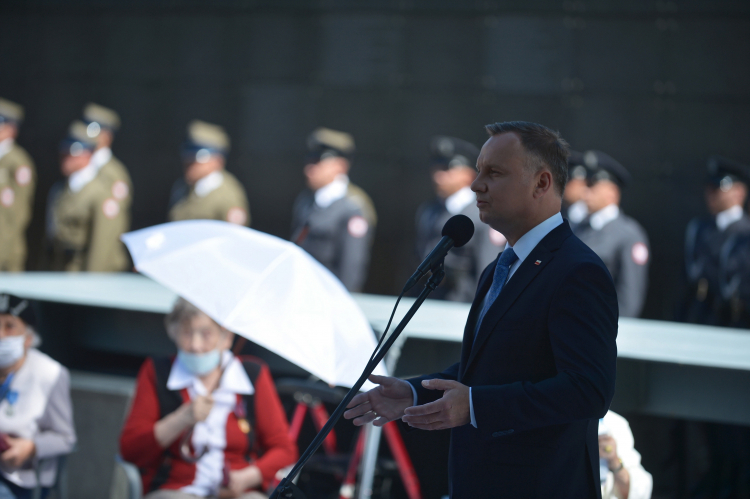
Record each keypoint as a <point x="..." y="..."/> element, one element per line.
<point x="264" y="288"/>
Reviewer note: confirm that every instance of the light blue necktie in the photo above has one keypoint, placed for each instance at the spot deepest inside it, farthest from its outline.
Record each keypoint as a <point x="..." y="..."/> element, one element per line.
<point x="502" y="269"/>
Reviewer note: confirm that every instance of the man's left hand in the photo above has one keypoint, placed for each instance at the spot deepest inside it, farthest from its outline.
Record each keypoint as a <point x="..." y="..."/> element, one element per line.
<point x="21" y="450"/>
<point x="450" y="411"/>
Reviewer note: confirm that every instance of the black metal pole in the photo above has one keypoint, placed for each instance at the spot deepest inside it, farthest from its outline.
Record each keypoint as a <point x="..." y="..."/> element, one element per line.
<point x="284" y="488"/>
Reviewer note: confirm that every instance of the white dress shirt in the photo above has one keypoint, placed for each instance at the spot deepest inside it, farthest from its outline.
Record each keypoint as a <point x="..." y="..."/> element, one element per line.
<point x="602" y="217"/>
<point x="728" y="217"/>
<point x="5" y="146"/>
<point x="329" y="194"/>
<point x="101" y="156"/>
<point x="577" y="212"/>
<point x="79" y="179"/>
<point x="209" y="183"/>
<point x="211" y="433"/>
<point x="459" y="200"/>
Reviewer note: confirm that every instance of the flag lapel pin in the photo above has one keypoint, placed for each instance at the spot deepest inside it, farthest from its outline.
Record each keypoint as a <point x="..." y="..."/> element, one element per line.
<point x="537" y="262"/>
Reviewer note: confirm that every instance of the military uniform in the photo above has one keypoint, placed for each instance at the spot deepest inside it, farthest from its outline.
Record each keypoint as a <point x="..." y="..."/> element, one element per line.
<point x="575" y="211"/>
<point x="216" y="196"/>
<point x="618" y="239"/>
<point x="716" y="268"/>
<point x="463" y="265"/>
<point x="17" y="183"/>
<point x="85" y="219"/>
<point x="336" y="223"/>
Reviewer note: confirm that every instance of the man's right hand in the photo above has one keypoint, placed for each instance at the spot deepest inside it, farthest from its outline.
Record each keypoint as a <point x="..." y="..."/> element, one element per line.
<point x="383" y="403"/>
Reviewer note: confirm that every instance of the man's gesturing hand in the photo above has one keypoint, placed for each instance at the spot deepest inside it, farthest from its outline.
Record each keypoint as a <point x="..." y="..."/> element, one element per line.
<point x="383" y="403"/>
<point x="450" y="411"/>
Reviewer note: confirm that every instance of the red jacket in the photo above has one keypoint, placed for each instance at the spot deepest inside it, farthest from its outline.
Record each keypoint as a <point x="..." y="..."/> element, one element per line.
<point x="272" y="442"/>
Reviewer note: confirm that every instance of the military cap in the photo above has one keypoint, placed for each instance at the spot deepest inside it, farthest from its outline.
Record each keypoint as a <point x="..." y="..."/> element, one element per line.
<point x="325" y="143"/>
<point x="447" y="152"/>
<point x="17" y="307"/>
<point x="98" y="117"/>
<point x="77" y="140"/>
<point x="10" y="111"/>
<point x="602" y="166"/>
<point x="723" y="172"/>
<point x="204" y="140"/>
<point x="576" y="166"/>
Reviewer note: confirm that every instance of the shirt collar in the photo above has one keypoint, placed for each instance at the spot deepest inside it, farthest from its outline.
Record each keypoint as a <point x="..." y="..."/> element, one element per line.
<point x="577" y="212"/>
<point x="526" y="244"/>
<point x="602" y="217"/>
<point x="6" y="145"/>
<point x="101" y="156"/>
<point x="728" y="217"/>
<point x="459" y="200"/>
<point x="327" y="195"/>
<point x="78" y="180"/>
<point x="234" y="378"/>
<point x="209" y="183"/>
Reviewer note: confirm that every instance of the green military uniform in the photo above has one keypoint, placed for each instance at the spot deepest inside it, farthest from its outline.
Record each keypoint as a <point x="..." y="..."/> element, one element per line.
<point x="17" y="182"/>
<point x="227" y="202"/>
<point x="86" y="221"/>
<point x="217" y="195"/>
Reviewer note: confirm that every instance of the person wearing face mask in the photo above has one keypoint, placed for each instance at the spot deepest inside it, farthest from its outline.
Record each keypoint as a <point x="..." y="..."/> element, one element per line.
<point x="207" y="190"/>
<point x="205" y="423"/>
<point x="85" y="217"/>
<point x="36" y="414"/>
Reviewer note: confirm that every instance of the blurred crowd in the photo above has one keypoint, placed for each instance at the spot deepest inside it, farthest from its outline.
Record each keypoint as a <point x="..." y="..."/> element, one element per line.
<point x="335" y="220"/>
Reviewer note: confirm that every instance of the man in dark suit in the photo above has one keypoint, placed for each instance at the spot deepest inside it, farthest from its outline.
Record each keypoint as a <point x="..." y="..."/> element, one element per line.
<point x="537" y="367"/>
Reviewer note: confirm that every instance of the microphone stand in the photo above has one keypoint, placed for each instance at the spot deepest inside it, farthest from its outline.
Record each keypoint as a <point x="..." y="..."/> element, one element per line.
<point x="286" y="488"/>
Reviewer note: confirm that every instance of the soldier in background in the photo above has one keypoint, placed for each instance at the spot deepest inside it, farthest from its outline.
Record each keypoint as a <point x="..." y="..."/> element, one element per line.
<point x="85" y="219"/>
<point x="709" y="239"/>
<point x="574" y="206"/>
<point x="17" y="182"/>
<point x="208" y="191"/>
<point x="101" y="125"/>
<point x="334" y="220"/>
<point x="619" y="240"/>
<point x="453" y="163"/>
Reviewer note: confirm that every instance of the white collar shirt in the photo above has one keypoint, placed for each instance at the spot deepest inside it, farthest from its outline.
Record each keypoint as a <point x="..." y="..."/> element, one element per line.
<point x="602" y="217"/>
<point x="5" y="146"/>
<point x="577" y="212"/>
<point x="78" y="180"/>
<point x="101" y="156"/>
<point x="459" y="200"/>
<point x="209" y="183"/>
<point x="728" y="217"/>
<point x="329" y="194"/>
<point x="211" y="433"/>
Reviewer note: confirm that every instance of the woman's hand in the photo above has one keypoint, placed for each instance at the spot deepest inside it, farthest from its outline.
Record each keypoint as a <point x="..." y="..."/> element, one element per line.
<point x="21" y="450"/>
<point x="171" y="426"/>
<point x="242" y="480"/>
<point x="199" y="408"/>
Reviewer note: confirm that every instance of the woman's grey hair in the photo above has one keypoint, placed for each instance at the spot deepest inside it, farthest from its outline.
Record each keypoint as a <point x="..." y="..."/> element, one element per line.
<point x="36" y="340"/>
<point x="182" y="311"/>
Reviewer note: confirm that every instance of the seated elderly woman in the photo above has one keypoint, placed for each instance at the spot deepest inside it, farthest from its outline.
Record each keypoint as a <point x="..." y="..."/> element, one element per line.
<point x="36" y="416"/>
<point x="206" y="423"/>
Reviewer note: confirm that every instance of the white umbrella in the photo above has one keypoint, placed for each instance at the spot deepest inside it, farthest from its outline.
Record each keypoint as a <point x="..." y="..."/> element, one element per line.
<point x="264" y="288"/>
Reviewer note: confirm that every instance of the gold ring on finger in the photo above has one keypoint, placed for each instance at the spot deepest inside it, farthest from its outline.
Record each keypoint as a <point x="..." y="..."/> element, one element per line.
<point x="608" y="448"/>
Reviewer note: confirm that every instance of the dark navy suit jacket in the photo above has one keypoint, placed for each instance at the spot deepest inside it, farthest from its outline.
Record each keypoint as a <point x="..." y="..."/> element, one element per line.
<point x="542" y="371"/>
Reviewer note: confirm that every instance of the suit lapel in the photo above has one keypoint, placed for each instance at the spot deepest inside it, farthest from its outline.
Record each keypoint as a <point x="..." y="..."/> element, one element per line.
<point x="526" y="272"/>
<point x="485" y="281"/>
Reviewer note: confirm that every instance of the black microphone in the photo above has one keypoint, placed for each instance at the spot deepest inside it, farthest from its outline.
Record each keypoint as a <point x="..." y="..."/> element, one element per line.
<point x="457" y="231"/>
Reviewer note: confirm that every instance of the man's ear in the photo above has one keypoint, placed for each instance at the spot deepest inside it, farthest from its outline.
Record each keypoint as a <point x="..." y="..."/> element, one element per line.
<point x="543" y="183"/>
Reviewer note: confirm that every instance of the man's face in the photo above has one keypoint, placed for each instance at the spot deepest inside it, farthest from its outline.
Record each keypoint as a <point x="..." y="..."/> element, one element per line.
<point x="70" y="164"/>
<point x="325" y="171"/>
<point x="196" y="170"/>
<point x="718" y="199"/>
<point x="600" y="195"/>
<point x="7" y="131"/>
<point x="575" y="190"/>
<point x="504" y="187"/>
<point x="452" y="180"/>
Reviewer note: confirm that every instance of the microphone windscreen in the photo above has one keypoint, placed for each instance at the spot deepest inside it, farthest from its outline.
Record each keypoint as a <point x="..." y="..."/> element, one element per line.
<point x="460" y="228"/>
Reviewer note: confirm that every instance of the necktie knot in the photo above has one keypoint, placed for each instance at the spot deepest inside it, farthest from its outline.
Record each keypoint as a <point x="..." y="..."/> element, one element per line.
<point x="507" y="258"/>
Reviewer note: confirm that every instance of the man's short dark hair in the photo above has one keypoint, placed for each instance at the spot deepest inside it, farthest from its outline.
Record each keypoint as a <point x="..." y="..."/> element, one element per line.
<point x="543" y="144"/>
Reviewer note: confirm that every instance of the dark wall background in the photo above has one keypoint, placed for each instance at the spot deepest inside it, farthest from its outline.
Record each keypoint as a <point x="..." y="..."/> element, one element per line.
<point x="658" y="85"/>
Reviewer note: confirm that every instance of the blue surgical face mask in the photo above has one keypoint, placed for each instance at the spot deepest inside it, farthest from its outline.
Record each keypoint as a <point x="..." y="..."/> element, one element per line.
<point x="11" y="349"/>
<point x="200" y="363"/>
